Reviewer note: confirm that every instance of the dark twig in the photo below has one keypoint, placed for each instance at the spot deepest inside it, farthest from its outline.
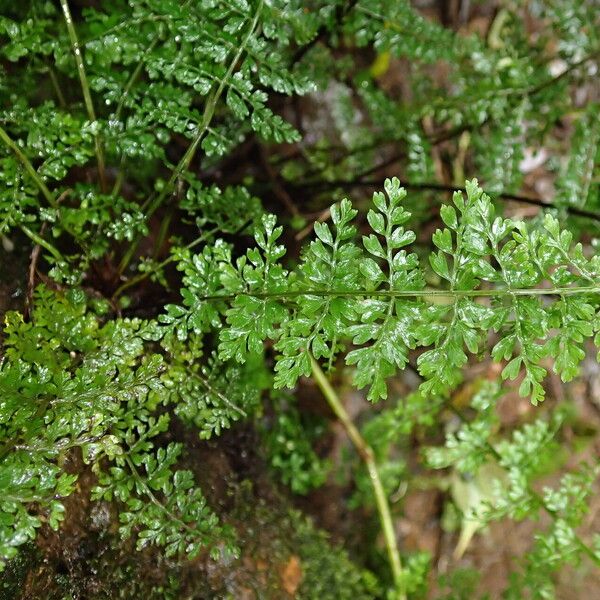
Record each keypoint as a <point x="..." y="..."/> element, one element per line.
<point x="376" y="183"/>
<point x="549" y="82"/>
<point x="35" y="254"/>
<point x="278" y="188"/>
<point x="340" y="13"/>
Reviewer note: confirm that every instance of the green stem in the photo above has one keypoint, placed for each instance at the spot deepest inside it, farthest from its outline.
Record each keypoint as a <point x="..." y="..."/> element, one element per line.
<point x="136" y="73"/>
<point x="143" y="487"/>
<point x="366" y="453"/>
<point x="85" y="88"/>
<point x="61" y="99"/>
<point x="119" y="179"/>
<point x="138" y="69"/>
<point x="39" y="182"/>
<point x="207" y="116"/>
<point x="161" y="265"/>
<point x="536" y="495"/>
<point x="162" y="234"/>
<point x="209" y="388"/>
<point x="426" y="293"/>
<point x="29" y="168"/>
<point x="152" y="205"/>
<point x="34" y="237"/>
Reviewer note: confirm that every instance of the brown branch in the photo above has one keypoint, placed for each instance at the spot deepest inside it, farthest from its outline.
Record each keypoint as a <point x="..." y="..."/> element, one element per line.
<point x="549" y="82"/>
<point x="35" y="255"/>
<point x="278" y="188"/>
<point x="377" y="183"/>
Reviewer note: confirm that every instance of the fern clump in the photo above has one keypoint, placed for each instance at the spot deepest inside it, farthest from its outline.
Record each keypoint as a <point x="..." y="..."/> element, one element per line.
<point x="227" y="223"/>
<point x="533" y="287"/>
<point x="69" y="382"/>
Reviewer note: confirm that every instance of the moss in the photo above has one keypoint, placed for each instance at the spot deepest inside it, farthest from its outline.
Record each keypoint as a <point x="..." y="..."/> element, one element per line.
<point x="15" y="574"/>
<point x="283" y="556"/>
<point x="302" y="562"/>
<point x="329" y="573"/>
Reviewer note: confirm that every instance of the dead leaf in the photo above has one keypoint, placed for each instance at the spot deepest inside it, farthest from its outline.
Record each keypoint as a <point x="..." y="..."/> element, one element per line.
<point x="291" y="576"/>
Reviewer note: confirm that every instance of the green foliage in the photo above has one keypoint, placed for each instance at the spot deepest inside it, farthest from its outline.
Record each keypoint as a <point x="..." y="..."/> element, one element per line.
<point x="575" y="182"/>
<point x="496" y="272"/>
<point x="70" y="383"/>
<point x="388" y="433"/>
<point x="463" y="448"/>
<point x="145" y="149"/>
<point x="318" y="321"/>
<point x="461" y="584"/>
<point x="289" y="445"/>
<point x="328" y="572"/>
<point x="388" y="324"/>
<point x="519" y="461"/>
<point x="181" y="522"/>
<point x="213" y="396"/>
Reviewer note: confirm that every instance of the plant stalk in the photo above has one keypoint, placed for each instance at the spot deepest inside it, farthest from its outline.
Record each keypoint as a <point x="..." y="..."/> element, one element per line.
<point x="152" y="204"/>
<point x="209" y="111"/>
<point x="424" y="293"/>
<point x="159" y="266"/>
<point x="85" y="88"/>
<point x="40" y="241"/>
<point x="29" y="168"/>
<point x="366" y="453"/>
<point x="59" y="95"/>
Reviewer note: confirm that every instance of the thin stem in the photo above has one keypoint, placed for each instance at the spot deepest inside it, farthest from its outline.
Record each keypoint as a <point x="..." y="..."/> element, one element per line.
<point x="116" y="190"/>
<point x="162" y="234"/>
<point x="136" y="73"/>
<point x="161" y="265"/>
<point x="152" y="205"/>
<point x="29" y="168"/>
<point x="209" y="111"/>
<point x="209" y="388"/>
<point x="56" y="86"/>
<point x="536" y="495"/>
<point x="425" y="293"/>
<point x="549" y="82"/>
<point x="359" y="182"/>
<point x="146" y="489"/>
<point x="40" y="241"/>
<point x="39" y="182"/>
<point x="555" y="515"/>
<point x="366" y="453"/>
<point x="85" y="88"/>
<point x="138" y="69"/>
